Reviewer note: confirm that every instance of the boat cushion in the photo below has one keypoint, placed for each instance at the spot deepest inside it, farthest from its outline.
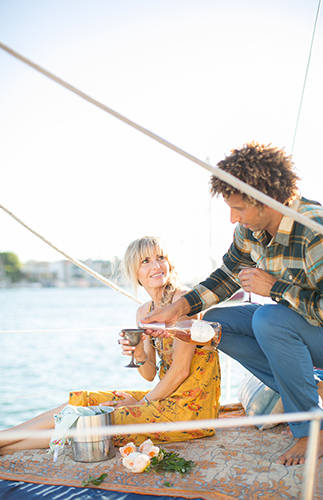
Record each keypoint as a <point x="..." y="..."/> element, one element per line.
<point x="258" y="399"/>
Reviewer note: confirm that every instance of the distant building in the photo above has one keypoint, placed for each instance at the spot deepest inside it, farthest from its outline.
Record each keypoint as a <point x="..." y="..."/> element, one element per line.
<point x="65" y="273"/>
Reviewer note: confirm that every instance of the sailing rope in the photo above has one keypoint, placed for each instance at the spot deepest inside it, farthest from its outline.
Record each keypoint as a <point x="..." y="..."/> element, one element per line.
<point x="57" y="330"/>
<point x="306" y="73"/>
<point x="78" y="263"/>
<point x="221" y="174"/>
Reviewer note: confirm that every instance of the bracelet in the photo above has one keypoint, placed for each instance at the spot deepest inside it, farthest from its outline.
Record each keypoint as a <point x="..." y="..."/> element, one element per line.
<point x="141" y="363"/>
<point x="146" y="400"/>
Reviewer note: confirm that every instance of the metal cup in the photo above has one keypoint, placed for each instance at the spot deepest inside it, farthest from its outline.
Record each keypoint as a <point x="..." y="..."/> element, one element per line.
<point x="134" y="336"/>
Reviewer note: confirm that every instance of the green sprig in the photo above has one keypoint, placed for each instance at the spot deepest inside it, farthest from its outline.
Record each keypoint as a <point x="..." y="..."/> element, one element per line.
<point x="92" y="480"/>
<point x="169" y="462"/>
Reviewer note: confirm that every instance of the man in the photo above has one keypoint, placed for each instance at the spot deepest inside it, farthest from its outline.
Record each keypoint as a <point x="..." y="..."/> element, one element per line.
<point x="273" y="256"/>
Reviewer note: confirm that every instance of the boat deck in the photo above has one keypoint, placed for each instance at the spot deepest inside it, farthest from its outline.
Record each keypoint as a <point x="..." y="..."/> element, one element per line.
<point x="236" y="463"/>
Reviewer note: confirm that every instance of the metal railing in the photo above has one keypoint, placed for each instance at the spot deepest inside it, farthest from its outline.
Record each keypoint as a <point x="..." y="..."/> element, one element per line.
<point x="315" y="417"/>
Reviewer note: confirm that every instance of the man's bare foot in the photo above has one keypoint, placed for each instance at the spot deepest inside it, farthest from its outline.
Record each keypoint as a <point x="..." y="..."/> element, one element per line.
<point x="320" y="393"/>
<point x="287" y="431"/>
<point x="296" y="454"/>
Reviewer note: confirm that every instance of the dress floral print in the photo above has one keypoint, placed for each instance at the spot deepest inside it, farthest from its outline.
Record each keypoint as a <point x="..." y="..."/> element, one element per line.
<point x="197" y="398"/>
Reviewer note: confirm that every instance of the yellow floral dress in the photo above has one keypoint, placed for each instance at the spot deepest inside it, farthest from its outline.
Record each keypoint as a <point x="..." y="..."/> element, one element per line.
<point x="197" y="398"/>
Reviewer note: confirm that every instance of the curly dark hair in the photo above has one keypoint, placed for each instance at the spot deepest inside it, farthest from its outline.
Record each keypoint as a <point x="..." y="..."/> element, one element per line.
<point x="265" y="168"/>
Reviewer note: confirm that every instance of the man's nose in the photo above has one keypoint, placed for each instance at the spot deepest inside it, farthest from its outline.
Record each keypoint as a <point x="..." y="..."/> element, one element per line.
<point x="234" y="216"/>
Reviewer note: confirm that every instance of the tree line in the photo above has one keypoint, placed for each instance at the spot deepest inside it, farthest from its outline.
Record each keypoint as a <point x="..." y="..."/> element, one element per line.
<point x="10" y="266"/>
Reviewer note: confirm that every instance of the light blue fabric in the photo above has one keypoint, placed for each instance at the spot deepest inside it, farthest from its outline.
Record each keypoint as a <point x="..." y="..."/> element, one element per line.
<point x="279" y="347"/>
<point x="258" y="399"/>
<point x="64" y="421"/>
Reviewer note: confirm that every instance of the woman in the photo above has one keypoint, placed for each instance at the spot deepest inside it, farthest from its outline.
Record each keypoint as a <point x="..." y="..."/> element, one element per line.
<point x="189" y="386"/>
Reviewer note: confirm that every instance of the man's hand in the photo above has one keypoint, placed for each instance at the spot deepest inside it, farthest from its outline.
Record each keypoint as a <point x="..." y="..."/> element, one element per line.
<point x="257" y="281"/>
<point x="168" y="315"/>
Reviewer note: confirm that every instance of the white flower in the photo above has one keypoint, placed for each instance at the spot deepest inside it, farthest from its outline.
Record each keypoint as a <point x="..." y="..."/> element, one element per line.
<point x="127" y="449"/>
<point x="141" y="463"/>
<point x="153" y="451"/>
<point x="136" y="462"/>
<point x="129" y="460"/>
<point x="149" y="448"/>
<point x="145" y="446"/>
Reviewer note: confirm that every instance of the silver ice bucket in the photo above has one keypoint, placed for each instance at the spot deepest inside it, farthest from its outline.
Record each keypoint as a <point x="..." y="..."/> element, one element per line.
<point x="93" y="447"/>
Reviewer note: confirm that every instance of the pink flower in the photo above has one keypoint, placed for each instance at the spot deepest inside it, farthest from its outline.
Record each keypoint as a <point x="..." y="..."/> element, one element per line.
<point x="127" y="449"/>
<point x="136" y="462"/>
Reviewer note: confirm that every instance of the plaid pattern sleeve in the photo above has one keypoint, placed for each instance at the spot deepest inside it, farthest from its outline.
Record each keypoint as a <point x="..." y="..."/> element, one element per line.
<point x="294" y="256"/>
<point x="223" y="282"/>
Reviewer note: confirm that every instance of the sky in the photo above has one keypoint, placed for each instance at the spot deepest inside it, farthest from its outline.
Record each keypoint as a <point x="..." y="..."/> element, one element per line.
<point x="206" y="75"/>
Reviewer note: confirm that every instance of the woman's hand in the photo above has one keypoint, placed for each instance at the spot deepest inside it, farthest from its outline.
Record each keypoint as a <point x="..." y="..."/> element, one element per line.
<point x="127" y="400"/>
<point x="127" y="349"/>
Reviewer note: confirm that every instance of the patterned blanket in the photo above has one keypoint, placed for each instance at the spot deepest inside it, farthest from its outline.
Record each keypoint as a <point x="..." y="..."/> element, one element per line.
<point x="234" y="464"/>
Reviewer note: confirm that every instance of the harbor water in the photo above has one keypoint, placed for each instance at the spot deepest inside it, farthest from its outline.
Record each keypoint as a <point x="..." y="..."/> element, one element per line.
<point x="54" y="340"/>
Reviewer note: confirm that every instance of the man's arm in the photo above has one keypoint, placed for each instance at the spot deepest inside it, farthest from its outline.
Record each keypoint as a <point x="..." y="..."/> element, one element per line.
<point x="224" y="281"/>
<point x="218" y="287"/>
<point x="170" y="314"/>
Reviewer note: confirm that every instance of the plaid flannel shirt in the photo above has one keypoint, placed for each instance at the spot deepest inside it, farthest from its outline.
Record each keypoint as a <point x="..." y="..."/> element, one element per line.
<point x="294" y="256"/>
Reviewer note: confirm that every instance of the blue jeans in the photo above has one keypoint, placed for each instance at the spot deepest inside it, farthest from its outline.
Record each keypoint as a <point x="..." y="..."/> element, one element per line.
<point x="279" y="347"/>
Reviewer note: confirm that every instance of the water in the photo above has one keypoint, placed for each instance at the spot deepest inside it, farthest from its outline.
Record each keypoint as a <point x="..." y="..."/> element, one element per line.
<point x="39" y="368"/>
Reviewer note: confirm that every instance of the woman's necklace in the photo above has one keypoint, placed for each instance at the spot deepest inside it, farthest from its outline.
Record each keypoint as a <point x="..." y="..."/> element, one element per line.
<point x="159" y="347"/>
<point x="158" y="344"/>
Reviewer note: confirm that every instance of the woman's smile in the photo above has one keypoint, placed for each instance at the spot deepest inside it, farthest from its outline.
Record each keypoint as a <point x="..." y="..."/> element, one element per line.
<point x="157" y="275"/>
<point x="153" y="270"/>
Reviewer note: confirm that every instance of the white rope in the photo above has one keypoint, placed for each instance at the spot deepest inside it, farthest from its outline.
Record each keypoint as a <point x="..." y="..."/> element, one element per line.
<point x="65" y="392"/>
<point x="306" y="73"/>
<point x="224" y="423"/>
<point x="75" y="261"/>
<point x="215" y="423"/>
<point x="57" y="330"/>
<point x="221" y="174"/>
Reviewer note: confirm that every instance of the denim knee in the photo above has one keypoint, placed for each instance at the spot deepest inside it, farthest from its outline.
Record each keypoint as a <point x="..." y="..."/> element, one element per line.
<point x="264" y="323"/>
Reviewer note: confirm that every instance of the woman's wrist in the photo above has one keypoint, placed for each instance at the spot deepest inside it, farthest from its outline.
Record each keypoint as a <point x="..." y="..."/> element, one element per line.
<point x="141" y="362"/>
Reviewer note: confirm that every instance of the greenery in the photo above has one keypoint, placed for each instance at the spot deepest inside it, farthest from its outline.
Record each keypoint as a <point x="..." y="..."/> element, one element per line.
<point x="10" y="266"/>
<point x="162" y="463"/>
<point x="169" y="462"/>
<point x="92" y="480"/>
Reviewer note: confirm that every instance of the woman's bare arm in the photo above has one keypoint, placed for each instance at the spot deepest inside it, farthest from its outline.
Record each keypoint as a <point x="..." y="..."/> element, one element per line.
<point x="177" y="373"/>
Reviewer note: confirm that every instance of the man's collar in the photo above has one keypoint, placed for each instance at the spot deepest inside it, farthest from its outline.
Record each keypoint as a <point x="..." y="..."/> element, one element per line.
<point x="285" y="227"/>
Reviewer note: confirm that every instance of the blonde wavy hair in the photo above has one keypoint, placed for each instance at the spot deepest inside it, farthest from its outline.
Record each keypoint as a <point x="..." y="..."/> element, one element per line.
<point x="144" y="247"/>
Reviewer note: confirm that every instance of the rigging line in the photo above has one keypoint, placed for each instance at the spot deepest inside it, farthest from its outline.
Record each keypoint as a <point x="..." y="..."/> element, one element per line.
<point x="166" y="426"/>
<point x="57" y="330"/>
<point x="26" y="396"/>
<point x="78" y="263"/>
<point x="221" y="174"/>
<point x="306" y="73"/>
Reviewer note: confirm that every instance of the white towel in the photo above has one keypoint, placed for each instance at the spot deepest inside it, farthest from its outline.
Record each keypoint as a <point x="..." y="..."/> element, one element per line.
<point x="63" y="422"/>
